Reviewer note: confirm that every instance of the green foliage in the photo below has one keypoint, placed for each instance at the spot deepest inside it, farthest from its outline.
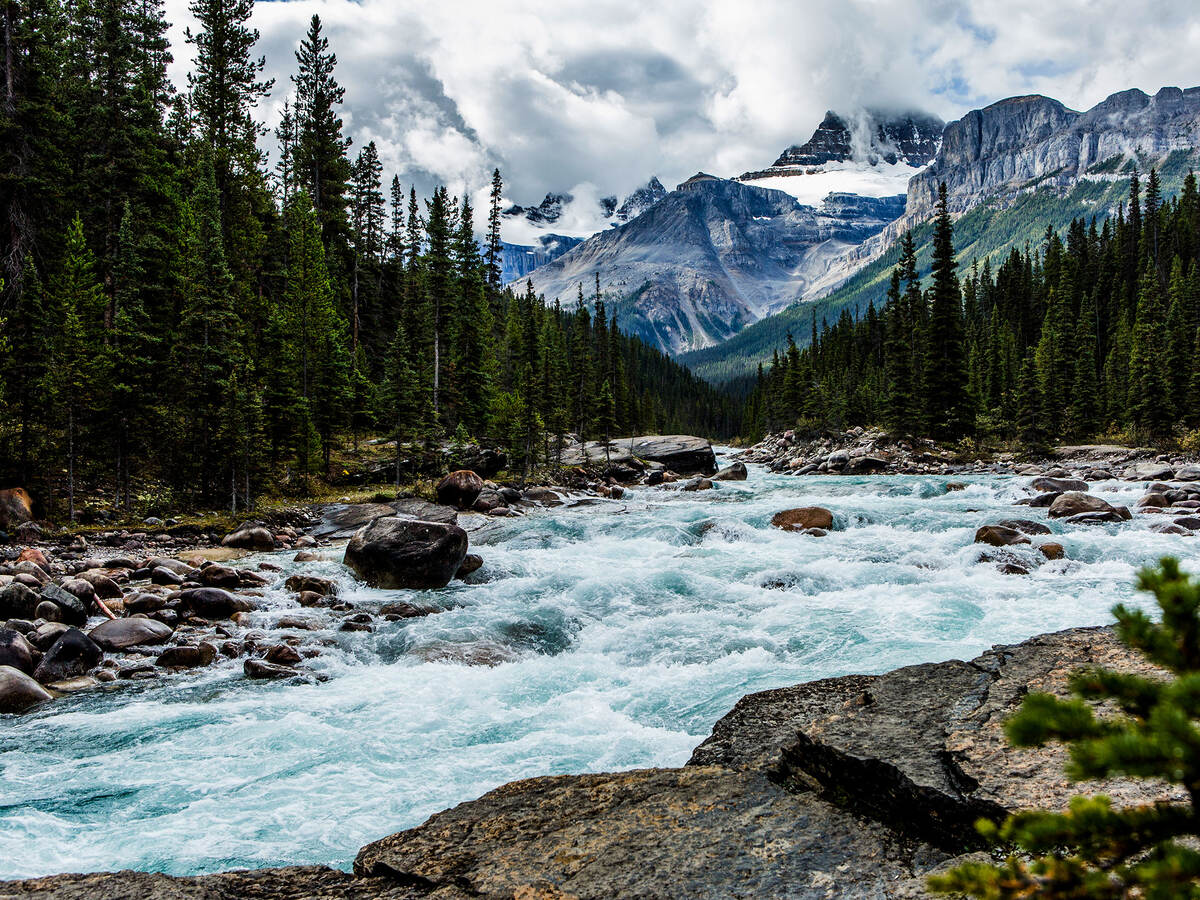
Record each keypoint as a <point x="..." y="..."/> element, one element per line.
<point x="1092" y="331"/>
<point x="1094" y="850"/>
<point x="181" y="326"/>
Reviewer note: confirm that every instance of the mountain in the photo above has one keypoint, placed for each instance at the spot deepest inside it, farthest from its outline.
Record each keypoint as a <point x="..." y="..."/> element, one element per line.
<point x="1011" y="169"/>
<point x="518" y="260"/>
<point x="872" y="154"/>
<point x="711" y="257"/>
<point x="540" y="234"/>
<point x="577" y="217"/>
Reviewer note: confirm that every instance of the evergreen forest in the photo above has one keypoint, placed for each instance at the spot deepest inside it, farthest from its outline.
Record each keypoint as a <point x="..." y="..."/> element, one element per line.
<point x="185" y="318"/>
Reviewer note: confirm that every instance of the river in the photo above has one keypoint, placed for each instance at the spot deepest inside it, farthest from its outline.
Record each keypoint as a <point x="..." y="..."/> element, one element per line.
<point x="627" y="628"/>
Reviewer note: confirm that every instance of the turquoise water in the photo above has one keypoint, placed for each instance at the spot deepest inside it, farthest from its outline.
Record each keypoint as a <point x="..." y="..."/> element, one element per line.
<point x="628" y="627"/>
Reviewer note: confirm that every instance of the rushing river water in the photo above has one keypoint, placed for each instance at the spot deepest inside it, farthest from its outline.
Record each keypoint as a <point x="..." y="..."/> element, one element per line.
<point x="630" y="627"/>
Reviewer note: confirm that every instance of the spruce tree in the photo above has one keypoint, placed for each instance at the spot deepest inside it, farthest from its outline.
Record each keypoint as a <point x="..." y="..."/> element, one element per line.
<point x="494" y="250"/>
<point x="321" y="164"/>
<point x="1149" y="389"/>
<point x="947" y="404"/>
<point x="77" y="377"/>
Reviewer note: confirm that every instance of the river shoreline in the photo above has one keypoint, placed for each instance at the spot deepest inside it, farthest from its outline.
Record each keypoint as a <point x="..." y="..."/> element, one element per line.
<point x="853" y="787"/>
<point x="580" y="641"/>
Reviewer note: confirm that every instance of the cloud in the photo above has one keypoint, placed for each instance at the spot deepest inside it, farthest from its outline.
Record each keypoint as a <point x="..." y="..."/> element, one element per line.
<point x="604" y="94"/>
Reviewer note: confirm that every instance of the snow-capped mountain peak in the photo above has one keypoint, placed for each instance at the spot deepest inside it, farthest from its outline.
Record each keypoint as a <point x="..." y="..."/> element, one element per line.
<point x="871" y="153"/>
<point x="580" y="212"/>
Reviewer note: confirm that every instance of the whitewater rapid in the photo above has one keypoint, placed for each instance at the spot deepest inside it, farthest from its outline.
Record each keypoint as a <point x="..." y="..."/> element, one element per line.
<point x="628" y="628"/>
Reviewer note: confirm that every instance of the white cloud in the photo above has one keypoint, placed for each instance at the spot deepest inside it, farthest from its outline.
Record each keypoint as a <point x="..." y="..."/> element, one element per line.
<point x="607" y="93"/>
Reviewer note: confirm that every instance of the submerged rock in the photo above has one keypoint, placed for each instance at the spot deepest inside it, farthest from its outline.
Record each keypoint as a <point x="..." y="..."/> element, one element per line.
<point x="401" y="553"/>
<point x="1000" y="536"/>
<point x="1073" y="503"/>
<point x="734" y="472"/>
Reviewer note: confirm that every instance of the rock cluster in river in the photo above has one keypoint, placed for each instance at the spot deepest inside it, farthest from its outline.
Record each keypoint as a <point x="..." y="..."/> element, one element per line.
<point x="852" y="787"/>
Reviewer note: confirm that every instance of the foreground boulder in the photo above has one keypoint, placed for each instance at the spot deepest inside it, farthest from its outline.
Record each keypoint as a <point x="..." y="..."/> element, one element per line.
<point x="460" y="489"/>
<point x="803" y="518"/>
<point x="19" y="692"/>
<point x="73" y="654"/>
<point x="403" y="553"/>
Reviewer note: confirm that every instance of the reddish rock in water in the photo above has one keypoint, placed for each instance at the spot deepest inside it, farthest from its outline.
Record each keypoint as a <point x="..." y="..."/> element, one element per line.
<point x="803" y="518"/>
<point x="459" y="489"/>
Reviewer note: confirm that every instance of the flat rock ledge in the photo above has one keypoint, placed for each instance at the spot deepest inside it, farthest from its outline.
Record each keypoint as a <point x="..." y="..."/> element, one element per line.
<point x="853" y="787"/>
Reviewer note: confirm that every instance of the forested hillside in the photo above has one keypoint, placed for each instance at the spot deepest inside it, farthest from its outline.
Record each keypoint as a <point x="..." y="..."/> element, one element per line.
<point x="986" y="232"/>
<point x="1093" y="330"/>
<point x="185" y="319"/>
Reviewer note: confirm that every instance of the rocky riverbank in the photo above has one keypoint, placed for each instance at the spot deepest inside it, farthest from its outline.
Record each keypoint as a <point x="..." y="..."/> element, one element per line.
<point x="861" y="451"/>
<point x="852" y="787"/>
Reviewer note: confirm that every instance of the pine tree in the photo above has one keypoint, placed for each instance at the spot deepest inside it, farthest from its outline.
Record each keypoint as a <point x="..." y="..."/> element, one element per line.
<point x="947" y="404"/>
<point x="1149" y="391"/>
<point x="226" y="87"/>
<point x="494" y="250"/>
<point x="1031" y="418"/>
<point x="77" y="376"/>
<point x="320" y="160"/>
<point x="900" y="407"/>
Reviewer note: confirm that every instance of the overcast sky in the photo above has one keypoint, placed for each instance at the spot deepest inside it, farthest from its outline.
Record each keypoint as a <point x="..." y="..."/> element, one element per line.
<point x="598" y="95"/>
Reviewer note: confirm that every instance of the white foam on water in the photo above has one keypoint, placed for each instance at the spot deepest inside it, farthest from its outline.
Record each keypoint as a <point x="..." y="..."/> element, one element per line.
<point x="631" y="628"/>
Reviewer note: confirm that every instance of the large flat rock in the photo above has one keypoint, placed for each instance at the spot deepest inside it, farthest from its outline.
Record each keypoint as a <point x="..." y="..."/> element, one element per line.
<point x="700" y="832"/>
<point x="680" y="453"/>
<point x="341" y="520"/>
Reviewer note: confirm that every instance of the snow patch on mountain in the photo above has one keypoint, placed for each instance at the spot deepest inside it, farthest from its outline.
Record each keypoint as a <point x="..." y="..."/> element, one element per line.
<point x="812" y="186"/>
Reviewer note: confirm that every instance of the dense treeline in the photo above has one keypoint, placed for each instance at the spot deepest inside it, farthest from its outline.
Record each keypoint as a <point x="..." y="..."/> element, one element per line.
<point x="181" y="318"/>
<point x="1095" y="331"/>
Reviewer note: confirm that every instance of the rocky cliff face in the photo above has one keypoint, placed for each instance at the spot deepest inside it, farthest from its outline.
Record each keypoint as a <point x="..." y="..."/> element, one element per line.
<point x="712" y="256"/>
<point x="854" y="788"/>
<point x="873" y="137"/>
<point x="518" y="260"/>
<point x="1010" y="145"/>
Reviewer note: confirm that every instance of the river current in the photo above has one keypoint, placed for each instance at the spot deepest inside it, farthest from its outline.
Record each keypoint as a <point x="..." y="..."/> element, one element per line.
<point x="622" y="630"/>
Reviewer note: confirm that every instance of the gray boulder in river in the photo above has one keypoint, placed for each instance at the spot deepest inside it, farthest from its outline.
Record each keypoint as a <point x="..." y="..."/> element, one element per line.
<point x="680" y="453"/>
<point x="392" y="553"/>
